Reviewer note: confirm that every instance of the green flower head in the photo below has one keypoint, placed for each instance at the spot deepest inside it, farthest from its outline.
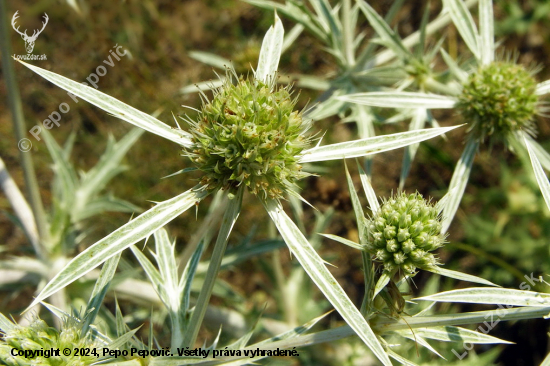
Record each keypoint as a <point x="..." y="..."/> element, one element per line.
<point x="44" y="340"/>
<point x="403" y="232"/>
<point x="499" y="99"/>
<point x="249" y="134"/>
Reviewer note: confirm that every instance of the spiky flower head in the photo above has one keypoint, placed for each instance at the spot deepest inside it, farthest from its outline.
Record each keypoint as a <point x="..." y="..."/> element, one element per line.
<point x="403" y="233"/>
<point x="499" y="99"/>
<point x="249" y="134"/>
<point x="38" y="336"/>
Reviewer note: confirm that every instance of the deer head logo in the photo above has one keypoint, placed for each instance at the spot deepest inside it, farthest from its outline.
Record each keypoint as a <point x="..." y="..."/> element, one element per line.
<point x="29" y="40"/>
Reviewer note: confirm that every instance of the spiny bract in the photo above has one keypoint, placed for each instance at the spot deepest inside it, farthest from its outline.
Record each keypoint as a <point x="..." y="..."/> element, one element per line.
<point x="499" y="99"/>
<point x="402" y="233"/>
<point x="249" y="134"/>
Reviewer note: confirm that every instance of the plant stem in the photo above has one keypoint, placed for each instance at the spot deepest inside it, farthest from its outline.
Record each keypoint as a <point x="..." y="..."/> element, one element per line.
<point x="14" y="101"/>
<point x="228" y="221"/>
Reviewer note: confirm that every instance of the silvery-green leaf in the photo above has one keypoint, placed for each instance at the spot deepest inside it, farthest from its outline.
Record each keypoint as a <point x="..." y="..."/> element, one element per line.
<point x="542" y="155"/>
<point x="203" y="86"/>
<point x="387" y="34"/>
<point x="95" y="180"/>
<point x="5" y="324"/>
<point x="315" y="268"/>
<point x="399" y="99"/>
<point x="384" y="279"/>
<point x="369" y="191"/>
<point x="210" y="59"/>
<point x="295" y="11"/>
<point x="292" y="36"/>
<point x="454" y="334"/>
<point x="115" y="107"/>
<point x="518" y="313"/>
<point x="100" y="290"/>
<point x="228" y="221"/>
<point x="543" y="88"/>
<point x="189" y="274"/>
<point x="464" y="22"/>
<point x="104" y="204"/>
<point x="168" y="268"/>
<point x="345" y="241"/>
<point x="137" y="229"/>
<point x="356" y="204"/>
<point x="458" y="183"/>
<point x="152" y="273"/>
<point x="270" y="53"/>
<point x="20" y="207"/>
<point x="461" y="276"/>
<point x="402" y="360"/>
<point x="491" y="295"/>
<point x="419" y="340"/>
<point x="371" y="145"/>
<point x="542" y="179"/>
<point x="65" y="176"/>
<point x="486" y="32"/>
<point x="326" y="17"/>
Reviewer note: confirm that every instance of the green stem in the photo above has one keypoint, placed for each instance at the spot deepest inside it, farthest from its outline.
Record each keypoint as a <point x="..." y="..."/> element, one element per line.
<point x="228" y="221"/>
<point x="14" y="101"/>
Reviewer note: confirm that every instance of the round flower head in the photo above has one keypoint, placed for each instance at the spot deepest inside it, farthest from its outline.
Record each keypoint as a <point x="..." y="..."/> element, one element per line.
<point x="249" y="134"/>
<point x="403" y="232"/>
<point x="39" y="337"/>
<point x="499" y="99"/>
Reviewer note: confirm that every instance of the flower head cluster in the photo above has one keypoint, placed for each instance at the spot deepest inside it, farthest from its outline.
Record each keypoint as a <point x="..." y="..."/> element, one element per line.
<point x="499" y="99"/>
<point x="39" y="337"/>
<point x="250" y="135"/>
<point x="403" y="232"/>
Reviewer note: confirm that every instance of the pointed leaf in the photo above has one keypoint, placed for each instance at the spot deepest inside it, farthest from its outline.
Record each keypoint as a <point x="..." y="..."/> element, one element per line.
<point x="369" y="191"/>
<point x="486" y="30"/>
<point x="108" y="165"/>
<point x="458" y="183"/>
<point x="210" y="59"/>
<point x="356" y="204"/>
<point x="270" y="52"/>
<point x="461" y="276"/>
<point x="371" y="145"/>
<point x="542" y="179"/>
<point x="228" y="221"/>
<point x="391" y="40"/>
<point x="315" y="268"/>
<point x="98" y="293"/>
<point x="464" y="24"/>
<point x="400" y="99"/>
<point x="115" y="107"/>
<point x="5" y="324"/>
<point x="120" y="239"/>
<point x="345" y="241"/>
<point x="490" y="295"/>
<point x="543" y="88"/>
<point x="454" y="334"/>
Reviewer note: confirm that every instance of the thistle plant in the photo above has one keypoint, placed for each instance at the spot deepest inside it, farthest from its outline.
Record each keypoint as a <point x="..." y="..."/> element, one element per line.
<point x="498" y="99"/>
<point x="394" y="222"/>
<point x="269" y="178"/>
<point x="403" y="232"/>
<point x="250" y="135"/>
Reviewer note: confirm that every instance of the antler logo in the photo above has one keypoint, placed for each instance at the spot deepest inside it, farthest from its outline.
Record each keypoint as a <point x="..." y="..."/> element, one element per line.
<point x="29" y="40"/>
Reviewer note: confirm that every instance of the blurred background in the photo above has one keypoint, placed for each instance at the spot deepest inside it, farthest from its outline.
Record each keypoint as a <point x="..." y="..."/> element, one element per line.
<point x="501" y="231"/>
